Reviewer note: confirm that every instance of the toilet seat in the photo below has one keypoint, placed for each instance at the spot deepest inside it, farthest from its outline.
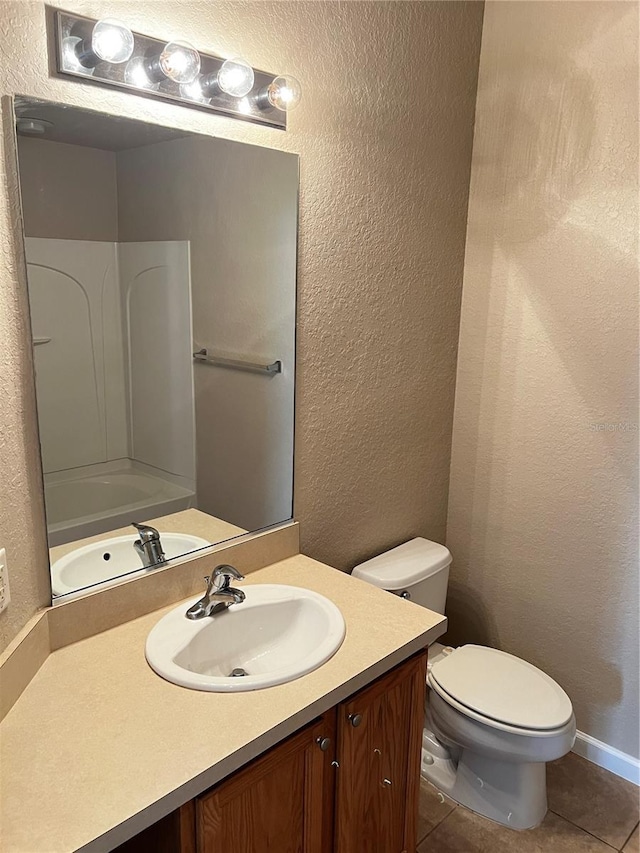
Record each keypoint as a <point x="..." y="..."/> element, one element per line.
<point x="501" y="691"/>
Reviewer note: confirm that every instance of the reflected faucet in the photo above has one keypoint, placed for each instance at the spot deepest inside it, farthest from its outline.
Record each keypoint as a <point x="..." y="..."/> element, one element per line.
<point x="148" y="546"/>
<point x="219" y="595"/>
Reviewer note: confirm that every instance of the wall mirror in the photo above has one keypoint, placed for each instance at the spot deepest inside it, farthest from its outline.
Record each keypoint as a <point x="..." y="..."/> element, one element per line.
<point x="161" y="271"/>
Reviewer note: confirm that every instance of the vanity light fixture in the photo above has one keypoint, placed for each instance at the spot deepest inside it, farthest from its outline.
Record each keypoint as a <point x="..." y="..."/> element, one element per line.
<point x="108" y="53"/>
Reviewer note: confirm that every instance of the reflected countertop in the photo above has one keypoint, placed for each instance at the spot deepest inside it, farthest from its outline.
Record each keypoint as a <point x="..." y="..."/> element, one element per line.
<point x="186" y="521"/>
<point x="98" y="746"/>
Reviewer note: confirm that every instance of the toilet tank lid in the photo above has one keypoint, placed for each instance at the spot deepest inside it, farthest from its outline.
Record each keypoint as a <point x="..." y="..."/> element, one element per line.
<point x="401" y="567"/>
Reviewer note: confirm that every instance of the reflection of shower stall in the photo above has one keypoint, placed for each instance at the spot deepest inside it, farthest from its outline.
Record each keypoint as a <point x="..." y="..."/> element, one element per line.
<point x="112" y="337"/>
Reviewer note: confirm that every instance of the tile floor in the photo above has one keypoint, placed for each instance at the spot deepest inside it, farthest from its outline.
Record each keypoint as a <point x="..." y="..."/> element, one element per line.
<point x="590" y="811"/>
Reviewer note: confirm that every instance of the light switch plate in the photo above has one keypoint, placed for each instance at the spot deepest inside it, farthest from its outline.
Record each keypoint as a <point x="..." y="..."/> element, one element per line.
<point x="5" y="595"/>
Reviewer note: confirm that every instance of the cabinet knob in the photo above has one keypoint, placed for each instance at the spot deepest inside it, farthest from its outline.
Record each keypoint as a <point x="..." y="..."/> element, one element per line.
<point x="324" y="743"/>
<point x="355" y="720"/>
<point x="386" y="783"/>
<point x="406" y="595"/>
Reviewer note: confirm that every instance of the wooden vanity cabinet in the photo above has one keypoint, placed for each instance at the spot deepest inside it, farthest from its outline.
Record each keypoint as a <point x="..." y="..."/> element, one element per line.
<point x="379" y="748"/>
<point x="346" y="783"/>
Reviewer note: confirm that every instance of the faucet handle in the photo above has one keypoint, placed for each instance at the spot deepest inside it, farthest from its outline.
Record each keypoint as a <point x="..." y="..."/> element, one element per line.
<point x="222" y="576"/>
<point x="147" y="533"/>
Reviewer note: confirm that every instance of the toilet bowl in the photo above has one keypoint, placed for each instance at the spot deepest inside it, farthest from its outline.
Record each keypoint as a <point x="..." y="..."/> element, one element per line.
<point x="492" y="720"/>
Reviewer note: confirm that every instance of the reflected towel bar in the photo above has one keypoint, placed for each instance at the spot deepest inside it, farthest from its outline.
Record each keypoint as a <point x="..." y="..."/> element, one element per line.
<point x="236" y="364"/>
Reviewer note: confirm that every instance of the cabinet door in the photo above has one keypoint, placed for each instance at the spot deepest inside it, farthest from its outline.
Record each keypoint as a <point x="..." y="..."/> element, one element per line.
<point x="379" y="742"/>
<point x="280" y="803"/>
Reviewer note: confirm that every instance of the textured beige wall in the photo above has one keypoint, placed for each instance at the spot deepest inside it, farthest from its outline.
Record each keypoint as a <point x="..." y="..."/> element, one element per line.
<point x="543" y="516"/>
<point x="384" y="133"/>
<point x="68" y="191"/>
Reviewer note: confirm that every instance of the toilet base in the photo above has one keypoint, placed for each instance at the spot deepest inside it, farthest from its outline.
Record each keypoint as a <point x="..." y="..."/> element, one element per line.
<point x="511" y="793"/>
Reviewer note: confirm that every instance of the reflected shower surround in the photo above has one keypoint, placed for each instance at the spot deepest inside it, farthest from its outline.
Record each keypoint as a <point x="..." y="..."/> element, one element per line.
<point x="109" y="53"/>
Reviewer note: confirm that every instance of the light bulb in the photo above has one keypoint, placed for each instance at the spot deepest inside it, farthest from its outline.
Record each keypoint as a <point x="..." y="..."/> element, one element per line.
<point x="236" y="77"/>
<point x="112" y="41"/>
<point x="180" y="62"/>
<point x="284" y="93"/>
<point x="136" y="74"/>
<point x="194" y="91"/>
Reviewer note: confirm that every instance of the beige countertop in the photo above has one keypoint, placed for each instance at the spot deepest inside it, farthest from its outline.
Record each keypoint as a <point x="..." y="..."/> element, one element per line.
<point x="98" y="746"/>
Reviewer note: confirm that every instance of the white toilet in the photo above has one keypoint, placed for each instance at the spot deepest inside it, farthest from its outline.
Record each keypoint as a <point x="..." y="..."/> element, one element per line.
<point x="492" y="719"/>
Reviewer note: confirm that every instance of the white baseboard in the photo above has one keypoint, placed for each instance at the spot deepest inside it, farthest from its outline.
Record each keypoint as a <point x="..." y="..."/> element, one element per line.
<point x="608" y="757"/>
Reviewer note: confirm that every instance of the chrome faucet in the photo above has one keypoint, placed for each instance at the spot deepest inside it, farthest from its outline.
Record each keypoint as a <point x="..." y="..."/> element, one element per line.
<point x="219" y="595"/>
<point x="149" y="546"/>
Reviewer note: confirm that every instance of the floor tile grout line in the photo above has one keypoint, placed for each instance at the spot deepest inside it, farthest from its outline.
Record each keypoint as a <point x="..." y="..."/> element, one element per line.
<point x="439" y="823"/>
<point x="575" y="825"/>
<point x="629" y="836"/>
<point x="582" y="829"/>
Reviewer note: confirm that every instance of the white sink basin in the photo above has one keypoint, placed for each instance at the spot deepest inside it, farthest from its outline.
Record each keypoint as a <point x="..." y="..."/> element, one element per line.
<point x="277" y="634"/>
<point x="105" y="561"/>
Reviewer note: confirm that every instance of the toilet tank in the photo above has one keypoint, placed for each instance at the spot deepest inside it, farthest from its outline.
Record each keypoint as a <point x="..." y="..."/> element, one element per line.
<point x="417" y="570"/>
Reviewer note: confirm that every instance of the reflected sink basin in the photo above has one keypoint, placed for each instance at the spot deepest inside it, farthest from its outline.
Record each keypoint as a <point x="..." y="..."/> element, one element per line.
<point x="277" y="634"/>
<point x="108" y="559"/>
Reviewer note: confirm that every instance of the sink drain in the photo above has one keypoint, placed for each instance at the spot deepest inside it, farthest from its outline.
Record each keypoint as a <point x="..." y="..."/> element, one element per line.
<point x="238" y="672"/>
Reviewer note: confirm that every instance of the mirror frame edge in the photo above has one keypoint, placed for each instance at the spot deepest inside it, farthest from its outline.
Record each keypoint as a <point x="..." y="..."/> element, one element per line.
<point x="16" y="236"/>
